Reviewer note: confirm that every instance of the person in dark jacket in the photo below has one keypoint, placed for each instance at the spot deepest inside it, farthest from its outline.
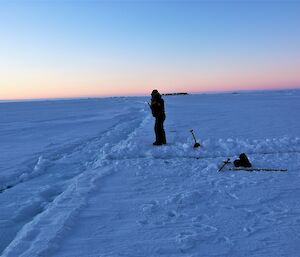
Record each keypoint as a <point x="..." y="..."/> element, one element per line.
<point x="158" y="111"/>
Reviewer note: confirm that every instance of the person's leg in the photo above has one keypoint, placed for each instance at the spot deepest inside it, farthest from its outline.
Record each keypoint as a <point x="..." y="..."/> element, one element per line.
<point x="156" y="130"/>
<point x="163" y="134"/>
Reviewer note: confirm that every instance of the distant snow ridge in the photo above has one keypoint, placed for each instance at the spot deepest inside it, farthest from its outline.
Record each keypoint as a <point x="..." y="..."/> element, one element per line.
<point x="121" y="139"/>
<point x="211" y="148"/>
<point x="235" y="146"/>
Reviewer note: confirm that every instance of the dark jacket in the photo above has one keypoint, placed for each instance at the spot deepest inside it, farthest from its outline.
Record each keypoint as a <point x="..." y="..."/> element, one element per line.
<point x="158" y="107"/>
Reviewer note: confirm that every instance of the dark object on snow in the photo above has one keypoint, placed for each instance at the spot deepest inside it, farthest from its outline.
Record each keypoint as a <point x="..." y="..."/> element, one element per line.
<point x="5" y="188"/>
<point x="243" y="161"/>
<point x="196" y="143"/>
<point x="158" y="111"/>
<point x="258" y="169"/>
<point x="181" y="93"/>
<point x="225" y="163"/>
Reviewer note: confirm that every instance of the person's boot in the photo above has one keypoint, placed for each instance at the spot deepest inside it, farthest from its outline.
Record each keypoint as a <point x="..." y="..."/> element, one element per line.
<point x="157" y="143"/>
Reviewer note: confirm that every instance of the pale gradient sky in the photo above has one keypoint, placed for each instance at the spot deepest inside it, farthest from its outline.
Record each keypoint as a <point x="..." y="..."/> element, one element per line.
<point x="101" y="48"/>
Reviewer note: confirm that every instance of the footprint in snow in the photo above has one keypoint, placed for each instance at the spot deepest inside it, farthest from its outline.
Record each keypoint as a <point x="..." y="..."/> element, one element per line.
<point x="187" y="240"/>
<point x="206" y="229"/>
<point x="171" y="216"/>
<point x="199" y="218"/>
<point x="142" y="222"/>
<point x="224" y="240"/>
<point x="150" y="207"/>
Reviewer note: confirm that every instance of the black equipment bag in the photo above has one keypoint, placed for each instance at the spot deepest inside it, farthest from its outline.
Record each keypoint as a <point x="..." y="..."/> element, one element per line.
<point x="243" y="161"/>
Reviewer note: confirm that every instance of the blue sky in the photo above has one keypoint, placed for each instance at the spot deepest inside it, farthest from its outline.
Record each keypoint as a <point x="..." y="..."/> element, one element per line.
<point x="70" y="48"/>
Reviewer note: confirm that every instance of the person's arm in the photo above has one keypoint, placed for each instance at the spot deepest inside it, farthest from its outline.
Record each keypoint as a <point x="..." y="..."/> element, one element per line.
<point x="154" y="108"/>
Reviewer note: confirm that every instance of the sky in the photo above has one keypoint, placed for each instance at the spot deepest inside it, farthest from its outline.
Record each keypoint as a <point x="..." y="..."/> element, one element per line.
<point x="53" y="49"/>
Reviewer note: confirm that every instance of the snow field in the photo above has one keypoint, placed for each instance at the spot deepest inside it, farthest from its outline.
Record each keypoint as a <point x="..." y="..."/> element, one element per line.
<point x="165" y="202"/>
<point x="114" y="194"/>
<point x="71" y="175"/>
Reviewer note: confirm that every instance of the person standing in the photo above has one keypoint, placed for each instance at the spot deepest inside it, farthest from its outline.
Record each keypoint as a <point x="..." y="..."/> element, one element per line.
<point x="158" y="111"/>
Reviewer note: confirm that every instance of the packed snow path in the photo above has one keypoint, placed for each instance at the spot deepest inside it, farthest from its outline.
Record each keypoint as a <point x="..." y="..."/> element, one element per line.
<point x="117" y="195"/>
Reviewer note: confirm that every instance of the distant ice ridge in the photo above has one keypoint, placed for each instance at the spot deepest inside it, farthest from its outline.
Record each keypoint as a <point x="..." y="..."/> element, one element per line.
<point x="230" y="147"/>
<point x="211" y="148"/>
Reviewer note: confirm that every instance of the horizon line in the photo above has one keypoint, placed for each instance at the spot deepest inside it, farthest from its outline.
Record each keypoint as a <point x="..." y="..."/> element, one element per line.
<point x="141" y="95"/>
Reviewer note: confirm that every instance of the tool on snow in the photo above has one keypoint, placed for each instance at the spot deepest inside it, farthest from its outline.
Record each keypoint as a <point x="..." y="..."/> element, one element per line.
<point x="225" y="163"/>
<point x="248" y="168"/>
<point x="196" y="143"/>
<point x="258" y="169"/>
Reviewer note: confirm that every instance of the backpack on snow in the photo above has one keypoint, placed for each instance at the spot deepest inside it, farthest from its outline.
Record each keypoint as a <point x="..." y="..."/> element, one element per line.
<point x="243" y="161"/>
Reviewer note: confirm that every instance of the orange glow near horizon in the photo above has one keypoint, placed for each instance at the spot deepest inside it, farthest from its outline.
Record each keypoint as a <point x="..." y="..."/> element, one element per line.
<point x="68" y="83"/>
<point x="87" y="89"/>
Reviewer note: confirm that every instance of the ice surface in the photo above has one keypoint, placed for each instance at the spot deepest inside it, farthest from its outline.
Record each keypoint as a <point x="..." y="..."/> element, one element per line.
<point x="81" y="177"/>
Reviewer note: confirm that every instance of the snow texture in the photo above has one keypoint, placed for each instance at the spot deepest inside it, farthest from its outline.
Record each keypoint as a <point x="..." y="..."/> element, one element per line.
<point x="82" y="178"/>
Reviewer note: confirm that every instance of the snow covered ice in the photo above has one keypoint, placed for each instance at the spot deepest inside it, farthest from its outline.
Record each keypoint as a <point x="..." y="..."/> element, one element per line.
<point x="81" y="177"/>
